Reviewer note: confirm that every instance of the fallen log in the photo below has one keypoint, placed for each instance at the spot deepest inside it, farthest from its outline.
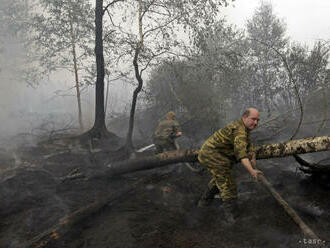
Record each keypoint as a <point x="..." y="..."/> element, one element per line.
<point x="187" y="164"/>
<point x="288" y="148"/>
<point x="290" y="211"/>
<point x="58" y="231"/>
<point x="300" y="146"/>
<point x="266" y="151"/>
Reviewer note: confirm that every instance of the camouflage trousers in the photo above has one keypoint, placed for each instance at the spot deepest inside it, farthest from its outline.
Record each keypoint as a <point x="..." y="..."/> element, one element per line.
<point x="163" y="145"/>
<point x="220" y="168"/>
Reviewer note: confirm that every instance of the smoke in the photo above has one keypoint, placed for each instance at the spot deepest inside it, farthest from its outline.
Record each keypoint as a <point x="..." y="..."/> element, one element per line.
<point x="49" y="105"/>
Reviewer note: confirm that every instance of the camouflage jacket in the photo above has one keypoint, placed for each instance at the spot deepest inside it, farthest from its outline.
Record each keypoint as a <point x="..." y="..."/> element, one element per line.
<point x="167" y="129"/>
<point x="232" y="142"/>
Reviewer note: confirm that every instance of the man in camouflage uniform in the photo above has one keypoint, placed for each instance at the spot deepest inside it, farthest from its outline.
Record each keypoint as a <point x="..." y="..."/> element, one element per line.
<point x="166" y="133"/>
<point x="227" y="146"/>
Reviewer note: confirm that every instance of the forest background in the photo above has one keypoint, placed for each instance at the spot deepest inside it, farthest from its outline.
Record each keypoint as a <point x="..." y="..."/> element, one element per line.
<point x="158" y="56"/>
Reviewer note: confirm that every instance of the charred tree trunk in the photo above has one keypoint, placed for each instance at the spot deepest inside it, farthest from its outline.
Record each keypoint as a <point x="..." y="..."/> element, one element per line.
<point x="54" y="235"/>
<point x="289" y="148"/>
<point x="99" y="128"/>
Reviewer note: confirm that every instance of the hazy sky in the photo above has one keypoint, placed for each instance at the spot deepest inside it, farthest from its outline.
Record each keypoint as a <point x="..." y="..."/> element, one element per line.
<point x="307" y="21"/>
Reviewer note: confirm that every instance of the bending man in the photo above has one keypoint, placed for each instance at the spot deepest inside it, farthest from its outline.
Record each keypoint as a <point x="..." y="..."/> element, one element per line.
<point x="166" y="133"/>
<point x="220" y="152"/>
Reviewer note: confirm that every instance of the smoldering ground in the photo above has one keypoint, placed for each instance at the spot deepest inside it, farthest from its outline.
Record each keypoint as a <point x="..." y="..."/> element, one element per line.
<point x="41" y="187"/>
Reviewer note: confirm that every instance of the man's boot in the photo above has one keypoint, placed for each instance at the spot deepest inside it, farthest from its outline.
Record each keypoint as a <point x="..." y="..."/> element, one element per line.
<point x="230" y="210"/>
<point x="208" y="196"/>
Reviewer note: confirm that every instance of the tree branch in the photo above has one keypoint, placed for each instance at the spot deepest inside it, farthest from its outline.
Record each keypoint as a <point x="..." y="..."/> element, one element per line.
<point x="113" y="2"/>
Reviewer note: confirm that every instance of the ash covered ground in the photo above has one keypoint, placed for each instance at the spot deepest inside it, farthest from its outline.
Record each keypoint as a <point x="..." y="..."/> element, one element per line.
<point x="154" y="208"/>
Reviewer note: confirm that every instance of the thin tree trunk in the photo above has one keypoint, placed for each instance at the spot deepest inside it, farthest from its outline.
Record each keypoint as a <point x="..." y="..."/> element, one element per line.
<point x="107" y="96"/>
<point x="75" y="67"/>
<point x="289" y="148"/>
<point x="129" y="142"/>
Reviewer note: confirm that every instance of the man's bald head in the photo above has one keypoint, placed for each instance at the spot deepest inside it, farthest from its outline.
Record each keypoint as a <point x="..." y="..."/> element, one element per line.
<point x="250" y="118"/>
<point x="248" y="111"/>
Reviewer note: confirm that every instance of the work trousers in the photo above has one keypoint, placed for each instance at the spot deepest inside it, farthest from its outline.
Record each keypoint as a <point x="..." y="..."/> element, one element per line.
<point x="220" y="169"/>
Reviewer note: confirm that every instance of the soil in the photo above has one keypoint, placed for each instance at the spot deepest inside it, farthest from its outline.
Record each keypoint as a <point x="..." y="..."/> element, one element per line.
<point x="154" y="208"/>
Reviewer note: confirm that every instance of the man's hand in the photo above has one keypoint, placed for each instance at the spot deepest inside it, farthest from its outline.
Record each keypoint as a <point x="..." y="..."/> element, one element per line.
<point x="254" y="173"/>
<point x="248" y="165"/>
<point x="178" y="134"/>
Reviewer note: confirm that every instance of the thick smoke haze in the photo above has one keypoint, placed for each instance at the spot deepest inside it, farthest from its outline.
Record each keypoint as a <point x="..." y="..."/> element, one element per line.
<point x="50" y="104"/>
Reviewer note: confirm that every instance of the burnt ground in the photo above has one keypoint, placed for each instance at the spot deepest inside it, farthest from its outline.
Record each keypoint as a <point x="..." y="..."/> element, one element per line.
<point x="155" y="208"/>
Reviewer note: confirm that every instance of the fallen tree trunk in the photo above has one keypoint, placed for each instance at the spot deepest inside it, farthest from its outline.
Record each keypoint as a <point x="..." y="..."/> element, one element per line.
<point x="290" y="211"/>
<point x="57" y="232"/>
<point x="292" y="147"/>
<point x="49" y="237"/>
<point x="288" y="148"/>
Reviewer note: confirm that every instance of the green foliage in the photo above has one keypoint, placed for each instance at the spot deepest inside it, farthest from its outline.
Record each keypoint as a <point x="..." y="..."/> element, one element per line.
<point x="184" y="88"/>
<point x="166" y="24"/>
<point x="203" y="87"/>
<point x="156" y="35"/>
<point x="266" y="27"/>
<point x="56" y="28"/>
<point x="309" y="67"/>
<point x="210" y="83"/>
<point x="222" y="50"/>
<point x="13" y="16"/>
<point x="278" y="67"/>
<point x="44" y="28"/>
<point x="228" y="71"/>
<point x="266" y="34"/>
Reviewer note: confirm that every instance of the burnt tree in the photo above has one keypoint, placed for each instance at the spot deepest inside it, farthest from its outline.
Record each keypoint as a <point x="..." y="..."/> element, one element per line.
<point x="99" y="124"/>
